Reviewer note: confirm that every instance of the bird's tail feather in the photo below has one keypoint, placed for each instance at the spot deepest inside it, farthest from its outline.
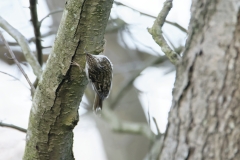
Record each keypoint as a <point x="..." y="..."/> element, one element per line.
<point x="97" y="106"/>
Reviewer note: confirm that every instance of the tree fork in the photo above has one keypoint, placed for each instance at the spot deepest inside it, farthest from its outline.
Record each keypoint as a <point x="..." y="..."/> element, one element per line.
<point x="54" y="111"/>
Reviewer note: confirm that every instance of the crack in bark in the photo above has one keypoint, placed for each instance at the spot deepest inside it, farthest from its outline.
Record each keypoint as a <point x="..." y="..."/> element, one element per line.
<point x="190" y="149"/>
<point x="54" y="114"/>
<point x="196" y="26"/>
<point x="186" y="81"/>
<point x="184" y="93"/>
<point x="64" y="79"/>
<point x="83" y="4"/>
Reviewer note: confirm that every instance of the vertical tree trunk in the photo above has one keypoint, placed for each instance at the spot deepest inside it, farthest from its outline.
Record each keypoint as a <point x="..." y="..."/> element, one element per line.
<point x="54" y="112"/>
<point x="117" y="146"/>
<point x="205" y="115"/>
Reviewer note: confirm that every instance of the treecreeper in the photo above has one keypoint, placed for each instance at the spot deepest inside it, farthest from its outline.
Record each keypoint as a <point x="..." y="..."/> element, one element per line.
<point x="99" y="70"/>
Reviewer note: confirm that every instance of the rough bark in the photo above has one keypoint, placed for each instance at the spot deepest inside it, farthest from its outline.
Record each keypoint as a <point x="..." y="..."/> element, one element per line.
<point x="118" y="146"/>
<point x="54" y="112"/>
<point x="205" y="115"/>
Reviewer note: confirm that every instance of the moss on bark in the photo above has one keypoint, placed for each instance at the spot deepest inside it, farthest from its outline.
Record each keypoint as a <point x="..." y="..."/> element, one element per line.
<point x="54" y="111"/>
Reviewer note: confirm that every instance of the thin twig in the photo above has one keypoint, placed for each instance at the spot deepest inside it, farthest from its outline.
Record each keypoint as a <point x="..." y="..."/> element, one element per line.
<point x="126" y="86"/>
<point x="177" y="25"/>
<point x="30" y="57"/>
<point x="51" y="13"/>
<point x="36" y="26"/>
<point x="46" y="34"/>
<point x="5" y="54"/>
<point x="18" y="64"/>
<point x="14" y="78"/>
<point x="156" y="125"/>
<point x="118" y="23"/>
<point x="13" y="126"/>
<point x="156" y="32"/>
<point x="10" y="75"/>
<point x="126" y="127"/>
<point x="145" y="14"/>
<point x="120" y="126"/>
<point x="169" y="41"/>
<point x="30" y="40"/>
<point x="153" y="153"/>
<point x="11" y="44"/>
<point x="135" y="40"/>
<point x="114" y="25"/>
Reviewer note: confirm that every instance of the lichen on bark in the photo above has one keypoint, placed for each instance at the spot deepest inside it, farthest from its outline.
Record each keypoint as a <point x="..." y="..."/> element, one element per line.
<point x="54" y="111"/>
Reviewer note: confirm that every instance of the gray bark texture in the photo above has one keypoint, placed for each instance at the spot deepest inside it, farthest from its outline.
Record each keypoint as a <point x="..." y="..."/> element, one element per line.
<point x="204" y="121"/>
<point x="117" y="146"/>
<point x="54" y="112"/>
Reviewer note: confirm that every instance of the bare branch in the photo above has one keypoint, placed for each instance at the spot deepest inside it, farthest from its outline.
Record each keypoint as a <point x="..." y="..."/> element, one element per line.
<point x="31" y="39"/>
<point x="51" y="13"/>
<point x="30" y="57"/>
<point x="49" y="33"/>
<point x="155" y="150"/>
<point x="126" y="85"/>
<point x="10" y="75"/>
<point x="13" y="126"/>
<point x="145" y="14"/>
<point x="10" y="44"/>
<point x="36" y="26"/>
<point x="156" y="32"/>
<point x="177" y="25"/>
<point x="18" y="64"/>
<point x="126" y="127"/>
<point x="114" y="25"/>
<point x="14" y="78"/>
<point x="118" y="125"/>
<point x="169" y="41"/>
<point x="156" y="125"/>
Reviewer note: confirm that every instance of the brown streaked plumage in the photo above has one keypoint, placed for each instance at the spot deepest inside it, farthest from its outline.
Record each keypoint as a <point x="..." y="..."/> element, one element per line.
<point x="99" y="71"/>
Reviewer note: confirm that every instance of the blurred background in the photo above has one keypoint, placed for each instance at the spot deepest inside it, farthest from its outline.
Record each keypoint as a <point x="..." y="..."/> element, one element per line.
<point x="142" y="84"/>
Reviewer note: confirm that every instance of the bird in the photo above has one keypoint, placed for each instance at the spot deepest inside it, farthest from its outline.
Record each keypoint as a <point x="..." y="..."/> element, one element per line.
<point x="99" y="70"/>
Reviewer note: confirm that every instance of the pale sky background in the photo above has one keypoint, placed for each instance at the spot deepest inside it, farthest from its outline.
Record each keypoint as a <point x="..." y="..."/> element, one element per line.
<point x="15" y="99"/>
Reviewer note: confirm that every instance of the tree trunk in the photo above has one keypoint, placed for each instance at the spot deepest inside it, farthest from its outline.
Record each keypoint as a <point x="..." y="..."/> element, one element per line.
<point x="54" y="112"/>
<point x="205" y="115"/>
<point x="117" y="146"/>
